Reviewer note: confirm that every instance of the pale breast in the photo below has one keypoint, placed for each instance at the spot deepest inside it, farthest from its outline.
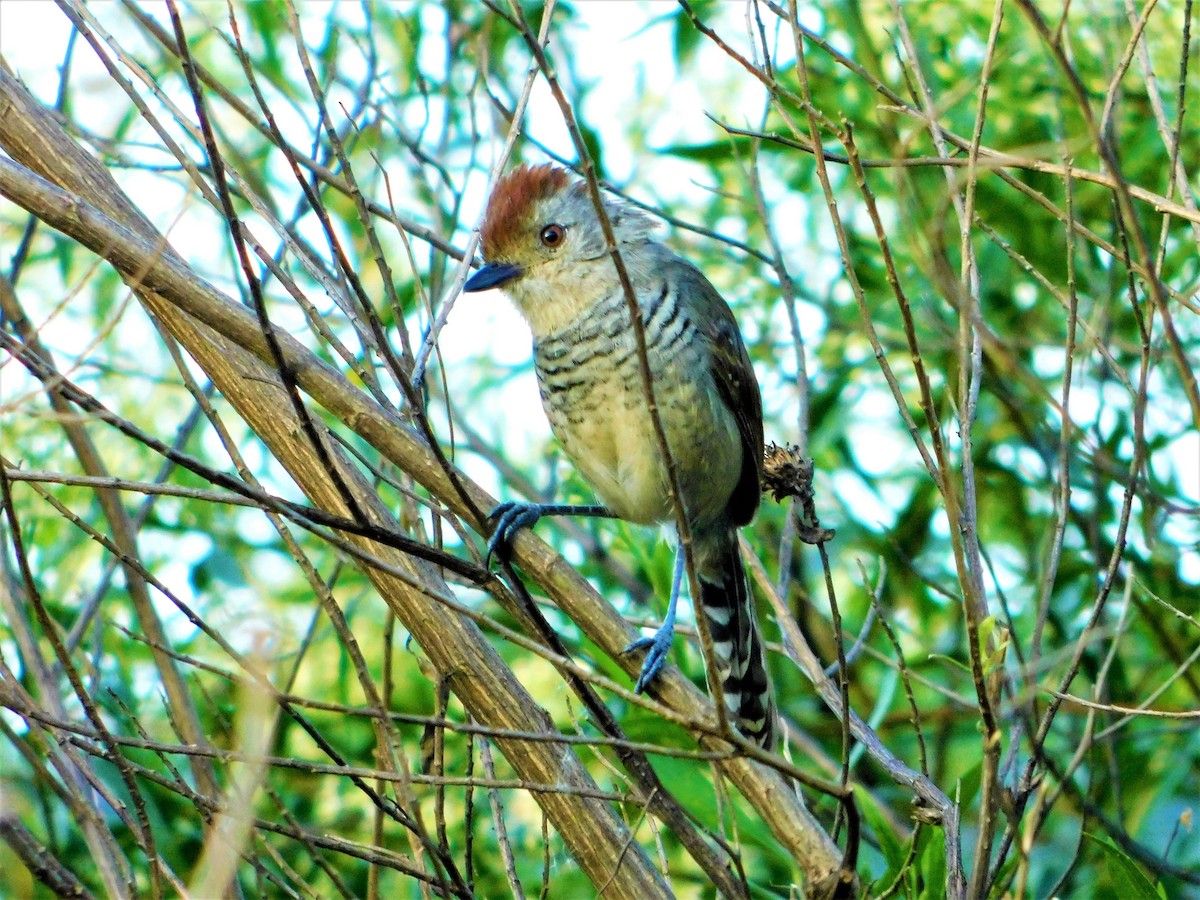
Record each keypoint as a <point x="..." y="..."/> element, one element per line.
<point x="591" y="387"/>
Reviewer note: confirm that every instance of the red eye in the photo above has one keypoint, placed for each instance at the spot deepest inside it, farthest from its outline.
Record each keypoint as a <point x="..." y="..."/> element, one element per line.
<point x="553" y="235"/>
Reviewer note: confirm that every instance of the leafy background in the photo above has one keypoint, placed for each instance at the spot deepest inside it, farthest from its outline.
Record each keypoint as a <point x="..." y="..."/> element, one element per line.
<point x="1084" y="575"/>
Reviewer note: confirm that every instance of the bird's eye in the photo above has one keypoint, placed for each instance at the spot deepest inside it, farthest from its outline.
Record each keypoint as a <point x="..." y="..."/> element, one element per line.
<point x="553" y="235"/>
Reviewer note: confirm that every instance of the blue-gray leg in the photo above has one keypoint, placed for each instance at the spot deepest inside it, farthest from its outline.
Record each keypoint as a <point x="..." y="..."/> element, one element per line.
<point x="512" y="517"/>
<point x="660" y="643"/>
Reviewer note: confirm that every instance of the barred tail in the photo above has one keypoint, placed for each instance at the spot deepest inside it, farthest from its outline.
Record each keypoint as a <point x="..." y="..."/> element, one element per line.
<point x="732" y="624"/>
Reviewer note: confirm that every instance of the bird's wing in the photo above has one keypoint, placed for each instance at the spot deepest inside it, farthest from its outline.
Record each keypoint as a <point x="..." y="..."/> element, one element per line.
<point x="734" y="378"/>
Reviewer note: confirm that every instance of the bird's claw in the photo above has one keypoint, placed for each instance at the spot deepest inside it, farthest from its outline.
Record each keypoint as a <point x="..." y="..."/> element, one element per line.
<point x="660" y="646"/>
<point x="509" y="518"/>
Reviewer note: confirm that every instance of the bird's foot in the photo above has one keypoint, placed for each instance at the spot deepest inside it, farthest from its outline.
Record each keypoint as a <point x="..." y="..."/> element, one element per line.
<point x="510" y="518"/>
<point x="660" y="645"/>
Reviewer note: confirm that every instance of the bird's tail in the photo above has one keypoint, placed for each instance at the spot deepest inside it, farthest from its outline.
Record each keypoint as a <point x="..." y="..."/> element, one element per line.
<point x="741" y="658"/>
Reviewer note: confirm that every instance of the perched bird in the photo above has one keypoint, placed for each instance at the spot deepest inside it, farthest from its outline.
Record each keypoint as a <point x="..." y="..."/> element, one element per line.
<point x="544" y="247"/>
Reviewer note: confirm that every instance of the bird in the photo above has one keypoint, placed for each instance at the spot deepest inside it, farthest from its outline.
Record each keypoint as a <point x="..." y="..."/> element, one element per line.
<point x="544" y="248"/>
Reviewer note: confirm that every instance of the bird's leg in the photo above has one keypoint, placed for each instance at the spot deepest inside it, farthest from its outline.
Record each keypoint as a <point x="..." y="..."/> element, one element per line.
<point x="660" y="643"/>
<point x="512" y="517"/>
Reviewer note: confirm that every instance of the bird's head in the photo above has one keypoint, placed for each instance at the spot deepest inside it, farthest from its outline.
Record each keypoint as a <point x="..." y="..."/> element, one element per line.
<point x="544" y="247"/>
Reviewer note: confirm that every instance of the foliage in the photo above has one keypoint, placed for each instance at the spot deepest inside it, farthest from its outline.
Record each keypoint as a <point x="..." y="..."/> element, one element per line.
<point x="976" y="313"/>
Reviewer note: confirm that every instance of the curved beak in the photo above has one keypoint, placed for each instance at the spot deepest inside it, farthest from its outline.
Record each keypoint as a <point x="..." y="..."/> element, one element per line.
<point x="492" y="275"/>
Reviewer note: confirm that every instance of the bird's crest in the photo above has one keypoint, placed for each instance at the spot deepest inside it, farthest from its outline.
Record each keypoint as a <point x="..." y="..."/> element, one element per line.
<point x="513" y="199"/>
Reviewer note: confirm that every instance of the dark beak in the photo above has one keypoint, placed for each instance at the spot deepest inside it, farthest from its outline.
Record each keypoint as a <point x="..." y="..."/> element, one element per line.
<point x="492" y="275"/>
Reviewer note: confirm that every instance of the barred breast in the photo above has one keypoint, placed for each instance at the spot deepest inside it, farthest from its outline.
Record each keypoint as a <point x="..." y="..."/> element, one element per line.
<point x="591" y="388"/>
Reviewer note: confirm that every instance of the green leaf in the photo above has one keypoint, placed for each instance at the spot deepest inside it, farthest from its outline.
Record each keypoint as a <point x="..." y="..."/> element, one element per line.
<point x="687" y="36"/>
<point x="969" y="783"/>
<point x="893" y="851"/>
<point x="714" y="151"/>
<point x="595" y="147"/>
<point x="1123" y="871"/>
<point x="932" y="856"/>
<point x="986" y="627"/>
<point x="950" y="659"/>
